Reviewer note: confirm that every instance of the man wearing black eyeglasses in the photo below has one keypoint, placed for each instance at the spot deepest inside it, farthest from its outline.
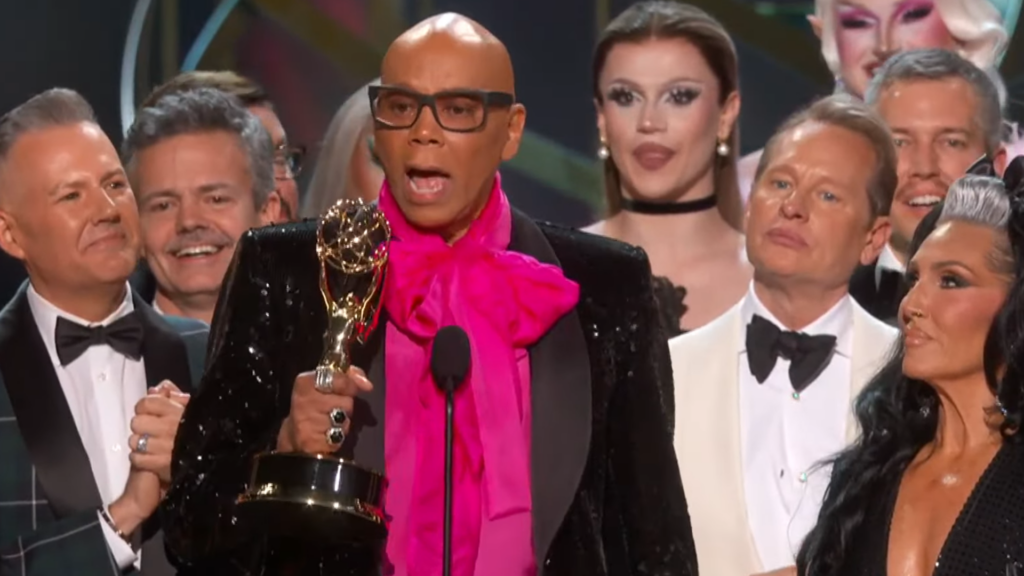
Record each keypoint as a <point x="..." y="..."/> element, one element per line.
<point x="565" y="462"/>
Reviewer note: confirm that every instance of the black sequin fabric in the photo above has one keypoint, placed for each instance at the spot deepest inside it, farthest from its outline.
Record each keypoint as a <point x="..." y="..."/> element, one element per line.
<point x="671" y="304"/>
<point x="628" y="516"/>
<point x="987" y="538"/>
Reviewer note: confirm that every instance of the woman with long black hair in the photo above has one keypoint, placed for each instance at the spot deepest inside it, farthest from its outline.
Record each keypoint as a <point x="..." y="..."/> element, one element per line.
<point x="935" y="484"/>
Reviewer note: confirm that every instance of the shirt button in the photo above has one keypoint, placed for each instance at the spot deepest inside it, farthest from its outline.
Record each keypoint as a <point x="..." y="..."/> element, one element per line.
<point x="103" y="377"/>
<point x="803" y="477"/>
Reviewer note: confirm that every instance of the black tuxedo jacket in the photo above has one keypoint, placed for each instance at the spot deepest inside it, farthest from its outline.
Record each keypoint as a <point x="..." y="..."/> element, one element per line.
<point x="12" y="275"/>
<point x="607" y="496"/>
<point x="881" y="302"/>
<point x="143" y="282"/>
<point x="48" y="496"/>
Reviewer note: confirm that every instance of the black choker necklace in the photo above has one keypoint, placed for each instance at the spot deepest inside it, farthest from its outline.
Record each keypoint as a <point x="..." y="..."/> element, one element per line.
<point x="643" y="207"/>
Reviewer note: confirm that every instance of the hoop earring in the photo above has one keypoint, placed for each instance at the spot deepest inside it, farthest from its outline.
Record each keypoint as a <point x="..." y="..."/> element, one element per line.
<point x="722" y="149"/>
<point x="603" y="153"/>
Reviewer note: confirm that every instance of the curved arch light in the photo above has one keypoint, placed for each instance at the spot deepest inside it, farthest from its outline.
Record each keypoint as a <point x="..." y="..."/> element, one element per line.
<point x="129" y="59"/>
<point x="133" y="39"/>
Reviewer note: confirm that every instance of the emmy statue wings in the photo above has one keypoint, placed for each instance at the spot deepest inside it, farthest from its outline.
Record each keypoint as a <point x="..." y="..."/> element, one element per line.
<point x="606" y="493"/>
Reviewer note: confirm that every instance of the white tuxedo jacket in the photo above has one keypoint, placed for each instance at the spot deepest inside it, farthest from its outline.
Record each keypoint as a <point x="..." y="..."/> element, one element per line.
<point x="705" y="365"/>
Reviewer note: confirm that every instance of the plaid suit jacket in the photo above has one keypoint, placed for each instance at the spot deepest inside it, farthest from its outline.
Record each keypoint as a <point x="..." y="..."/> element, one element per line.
<point x="48" y="497"/>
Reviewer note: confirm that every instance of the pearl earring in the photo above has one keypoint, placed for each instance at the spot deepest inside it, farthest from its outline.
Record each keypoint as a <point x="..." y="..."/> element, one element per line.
<point x="722" y="149"/>
<point x="603" y="153"/>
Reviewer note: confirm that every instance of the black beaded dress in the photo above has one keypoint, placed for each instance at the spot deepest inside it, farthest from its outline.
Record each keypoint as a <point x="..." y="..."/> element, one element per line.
<point x="987" y="538"/>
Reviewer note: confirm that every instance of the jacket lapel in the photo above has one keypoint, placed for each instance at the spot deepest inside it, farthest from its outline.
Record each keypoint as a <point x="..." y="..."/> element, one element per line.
<point x="44" y="418"/>
<point x="872" y="343"/>
<point x="163" y="351"/>
<point x="706" y="376"/>
<point x="560" y="401"/>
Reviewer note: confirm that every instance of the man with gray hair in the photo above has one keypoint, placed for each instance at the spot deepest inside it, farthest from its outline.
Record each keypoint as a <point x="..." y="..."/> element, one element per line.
<point x="944" y="114"/>
<point x="202" y="167"/>
<point x="93" y="382"/>
<point x="288" y="157"/>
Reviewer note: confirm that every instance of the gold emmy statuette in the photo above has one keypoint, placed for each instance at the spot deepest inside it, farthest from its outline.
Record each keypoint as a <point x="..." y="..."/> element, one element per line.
<point x="324" y="498"/>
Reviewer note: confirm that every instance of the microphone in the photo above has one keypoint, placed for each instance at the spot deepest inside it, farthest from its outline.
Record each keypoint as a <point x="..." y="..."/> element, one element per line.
<point x="449" y="365"/>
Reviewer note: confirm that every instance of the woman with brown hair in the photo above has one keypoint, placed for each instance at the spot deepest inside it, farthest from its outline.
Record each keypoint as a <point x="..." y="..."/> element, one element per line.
<point x="665" y="87"/>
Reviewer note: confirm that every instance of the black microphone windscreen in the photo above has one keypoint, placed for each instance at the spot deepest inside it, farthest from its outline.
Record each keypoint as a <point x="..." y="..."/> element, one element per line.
<point x="449" y="357"/>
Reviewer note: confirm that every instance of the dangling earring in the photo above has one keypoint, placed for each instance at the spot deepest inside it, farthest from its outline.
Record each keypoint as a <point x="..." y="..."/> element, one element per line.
<point x="602" y="152"/>
<point x="722" y="149"/>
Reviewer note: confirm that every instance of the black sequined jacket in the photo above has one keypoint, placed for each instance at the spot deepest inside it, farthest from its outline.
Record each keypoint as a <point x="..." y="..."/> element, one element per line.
<point x="607" y="496"/>
<point x="987" y="538"/>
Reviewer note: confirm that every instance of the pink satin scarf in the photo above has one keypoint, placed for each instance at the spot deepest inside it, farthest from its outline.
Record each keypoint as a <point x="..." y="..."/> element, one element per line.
<point x="505" y="301"/>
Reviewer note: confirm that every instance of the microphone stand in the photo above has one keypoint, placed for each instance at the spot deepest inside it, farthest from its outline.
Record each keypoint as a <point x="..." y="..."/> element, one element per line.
<point x="449" y="441"/>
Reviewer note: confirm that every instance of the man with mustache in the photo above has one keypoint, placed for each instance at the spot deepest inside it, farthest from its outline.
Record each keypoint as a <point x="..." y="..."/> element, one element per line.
<point x="93" y="382"/>
<point x="764" y="393"/>
<point x="944" y="114"/>
<point x="568" y="466"/>
<point x="202" y="168"/>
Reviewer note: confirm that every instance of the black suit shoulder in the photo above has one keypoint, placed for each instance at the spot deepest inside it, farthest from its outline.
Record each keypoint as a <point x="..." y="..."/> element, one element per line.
<point x="283" y="236"/>
<point x="593" y="250"/>
<point x="632" y="483"/>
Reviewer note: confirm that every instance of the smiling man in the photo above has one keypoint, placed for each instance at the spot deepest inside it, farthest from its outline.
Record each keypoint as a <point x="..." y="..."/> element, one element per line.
<point x="944" y="115"/>
<point x="764" y="393"/>
<point x="202" y="167"/>
<point x="90" y="377"/>
<point x="568" y="465"/>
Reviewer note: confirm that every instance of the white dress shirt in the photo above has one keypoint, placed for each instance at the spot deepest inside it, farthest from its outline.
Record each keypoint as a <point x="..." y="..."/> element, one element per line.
<point x="786" y="436"/>
<point x="102" y="388"/>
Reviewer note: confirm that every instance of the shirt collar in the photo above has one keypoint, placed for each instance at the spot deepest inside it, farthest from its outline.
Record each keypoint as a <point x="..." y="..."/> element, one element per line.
<point x="46" y="314"/>
<point x="837" y="321"/>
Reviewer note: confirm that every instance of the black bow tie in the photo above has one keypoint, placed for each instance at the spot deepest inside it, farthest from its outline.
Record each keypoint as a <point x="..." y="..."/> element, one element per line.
<point x="808" y="355"/>
<point x="124" y="336"/>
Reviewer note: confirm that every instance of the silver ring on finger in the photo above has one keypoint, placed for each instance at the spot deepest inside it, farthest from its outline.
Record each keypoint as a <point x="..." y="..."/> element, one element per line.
<point x="324" y="379"/>
<point x="338" y="417"/>
<point x="335" y="436"/>
<point x="143" y="444"/>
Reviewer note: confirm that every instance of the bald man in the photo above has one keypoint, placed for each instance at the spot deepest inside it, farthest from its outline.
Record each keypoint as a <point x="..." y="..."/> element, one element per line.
<point x="565" y="464"/>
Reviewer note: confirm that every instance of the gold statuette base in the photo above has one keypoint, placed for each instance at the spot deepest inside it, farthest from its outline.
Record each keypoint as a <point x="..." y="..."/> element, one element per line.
<point x="322" y="500"/>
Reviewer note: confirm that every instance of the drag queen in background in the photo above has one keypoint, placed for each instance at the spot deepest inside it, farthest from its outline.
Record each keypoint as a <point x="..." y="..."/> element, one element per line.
<point x="933" y="484"/>
<point x="857" y="38"/>
<point x="666" y="92"/>
<point x="346" y="166"/>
